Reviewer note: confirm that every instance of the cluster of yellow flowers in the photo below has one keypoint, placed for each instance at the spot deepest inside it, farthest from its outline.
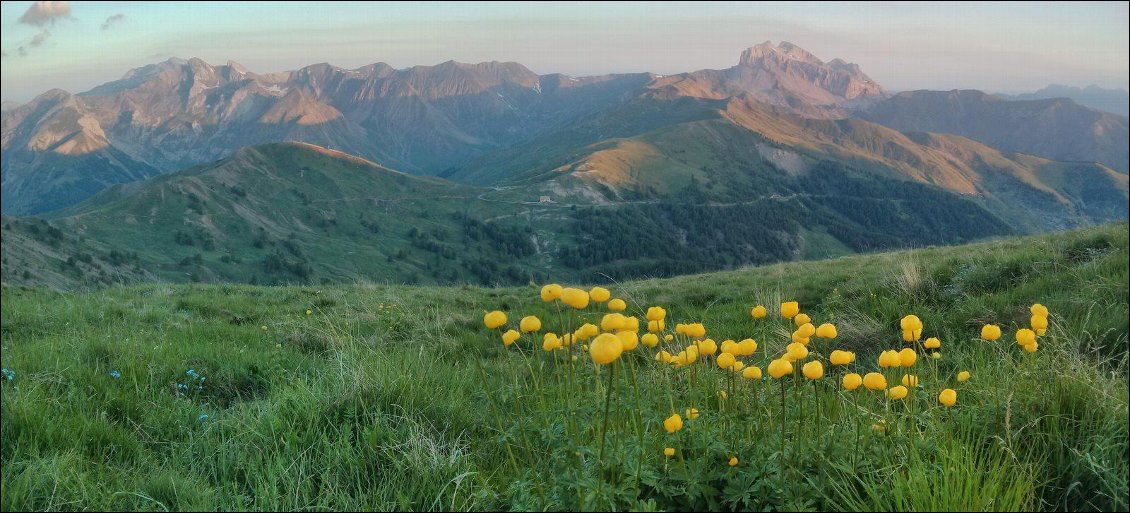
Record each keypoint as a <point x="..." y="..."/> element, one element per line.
<point x="616" y="334"/>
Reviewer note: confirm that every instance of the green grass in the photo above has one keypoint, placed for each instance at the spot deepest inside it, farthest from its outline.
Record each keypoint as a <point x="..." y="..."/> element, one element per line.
<point x="396" y="397"/>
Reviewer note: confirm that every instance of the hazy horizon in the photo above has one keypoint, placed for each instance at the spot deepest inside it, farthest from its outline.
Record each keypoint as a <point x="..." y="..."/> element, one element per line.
<point x="993" y="47"/>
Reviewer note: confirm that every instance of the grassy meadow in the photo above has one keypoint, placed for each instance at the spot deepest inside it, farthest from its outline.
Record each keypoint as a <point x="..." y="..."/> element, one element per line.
<point x="375" y="397"/>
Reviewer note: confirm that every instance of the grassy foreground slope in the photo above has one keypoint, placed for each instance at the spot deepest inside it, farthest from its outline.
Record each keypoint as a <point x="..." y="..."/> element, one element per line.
<point x="397" y="397"/>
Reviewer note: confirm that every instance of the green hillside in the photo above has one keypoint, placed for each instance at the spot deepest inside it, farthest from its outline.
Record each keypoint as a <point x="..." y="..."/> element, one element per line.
<point x="382" y="397"/>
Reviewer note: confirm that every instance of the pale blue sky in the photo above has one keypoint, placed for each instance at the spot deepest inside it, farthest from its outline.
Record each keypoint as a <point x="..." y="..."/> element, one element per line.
<point x="995" y="47"/>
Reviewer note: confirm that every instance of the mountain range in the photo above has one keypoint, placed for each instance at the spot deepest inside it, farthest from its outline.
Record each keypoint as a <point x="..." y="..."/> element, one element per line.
<point x="1115" y="101"/>
<point x="491" y="173"/>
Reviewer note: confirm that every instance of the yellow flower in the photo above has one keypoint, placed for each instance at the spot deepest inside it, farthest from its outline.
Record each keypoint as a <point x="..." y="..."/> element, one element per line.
<point x="707" y="347"/>
<point x="796" y="352"/>
<point x="1039" y="323"/>
<point x="656" y="313"/>
<point x="567" y="339"/>
<point x="628" y="339"/>
<point x="723" y="395"/>
<point x="729" y="346"/>
<point x="896" y="393"/>
<point x="909" y="380"/>
<point x="875" y="381"/>
<point x="990" y="332"/>
<point x="663" y="356"/>
<point x="911" y="323"/>
<point x="733" y="461"/>
<point x="681" y="328"/>
<point x="692" y="413"/>
<point x="907" y="357"/>
<point x="757" y="312"/>
<point x="631" y="323"/>
<point x="550" y="342"/>
<point x="1025" y="336"/>
<point x="650" y="340"/>
<point x="889" y="359"/>
<point x="510" y="337"/>
<point x="1031" y="348"/>
<point x="880" y="426"/>
<point x="780" y="367"/>
<point x="1038" y="309"/>
<point x="747" y="347"/>
<point x="617" y="305"/>
<point x="826" y="330"/>
<point x="696" y="330"/>
<point x="606" y="348"/>
<point x="655" y="326"/>
<point x="801" y="319"/>
<point x="841" y="357"/>
<point x="948" y="397"/>
<point x="669" y="452"/>
<point x="737" y="366"/>
<point x="599" y="294"/>
<point x="725" y="360"/>
<point x="752" y="372"/>
<point x="668" y="337"/>
<point x="492" y="320"/>
<point x="813" y="370"/>
<point x="308" y="311"/>
<point x="530" y="324"/>
<point x="612" y="322"/>
<point x="575" y="298"/>
<point x="550" y="292"/>
<point x="790" y="309"/>
<point x="589" y="330"/>
<point x="936" y="355"/>
<point x="932" y="343"/>
<point x="806" y="330"/>
<point x="852" y="381"/>
<point x="673" y="423"/>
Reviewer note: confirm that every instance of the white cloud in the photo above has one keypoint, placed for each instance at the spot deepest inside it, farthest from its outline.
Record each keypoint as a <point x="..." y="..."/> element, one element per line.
<point x="113" y="20"/>
<point x="46" y="13"/>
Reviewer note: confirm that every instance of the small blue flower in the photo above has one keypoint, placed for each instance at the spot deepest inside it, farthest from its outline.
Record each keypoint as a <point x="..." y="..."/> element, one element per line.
<point x="115" y="374"/>
<point x="203" y="417"/>
<point x="182" y="386"/>
<point x="8" y="374"/>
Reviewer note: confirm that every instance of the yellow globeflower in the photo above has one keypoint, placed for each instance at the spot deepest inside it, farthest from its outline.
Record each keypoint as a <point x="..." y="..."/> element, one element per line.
<point x="612" y="322"/>
<point x="696" y="330"/>
<point x="530" y="324"/>
<point x="737" y="366"/>
<point x="932" y="343"/>
<point x="606" y="348"/>
<point x="726" y="360"/>
<point x="650" y="340"/>
<point x="813" y="370"/>
<point x="628" y="339"/>
<point x="1031" y="348"/>
<point x="692" y="413"/>
<point x="948" y="397"/>
<point x="757" y="312"/>
<point x="733" y="460"/>
<point x="567" y="339"/>
<point x="907" y="357"/>
<point x="673" y="423"/>
<point x="839" y="357"/>
<point x="308" y="311"/>
<point x="668" y="337"/>
<point x="801" y="319"/>
<point x="909" y="380"/>
<point x="494" y="319"/>
<point x="510" y="337"/>
<point x="707" y="347"/>
<point x="889" y="359"/>
<point x="936" y="355"/>
<point x="551" y="292"/>
<point x="655" y="326"/>
<point x="875" y="381"/>
<point x="990" y="332"/>
<point x="827" y="330"/>
<point x="911" y="323"/>
<point x="589" y="330"/>
<point x="656" y="313"/>
<point x="747" y="347"/>
<point x="1039" y="323"/>
<point x="617" y="305"/>
<point x="550" y="342"/>
<point x="852" y="381"/>
<point x="806" y="330"/>
<point x="669" y="452"/>
<point x="1038" y="309"/>
<point x="1025" y="336"/>
<point x="779" y="368"/>
<point x="722" y="394"/>
<point x="631" y="323"/>
<point x="896" y="393"/>
<point x="663" y="356"/>
<point x="729" y="346"/>
<point x="752" y="372"/>
<point x="790" y="309"/>
<point x="599" y="294"/>
<point x="575" y="298"/>
<point x="796" y="352"/>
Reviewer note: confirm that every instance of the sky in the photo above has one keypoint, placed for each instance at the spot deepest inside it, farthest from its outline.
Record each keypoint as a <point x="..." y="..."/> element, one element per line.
<point x="1001" y="47"/>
